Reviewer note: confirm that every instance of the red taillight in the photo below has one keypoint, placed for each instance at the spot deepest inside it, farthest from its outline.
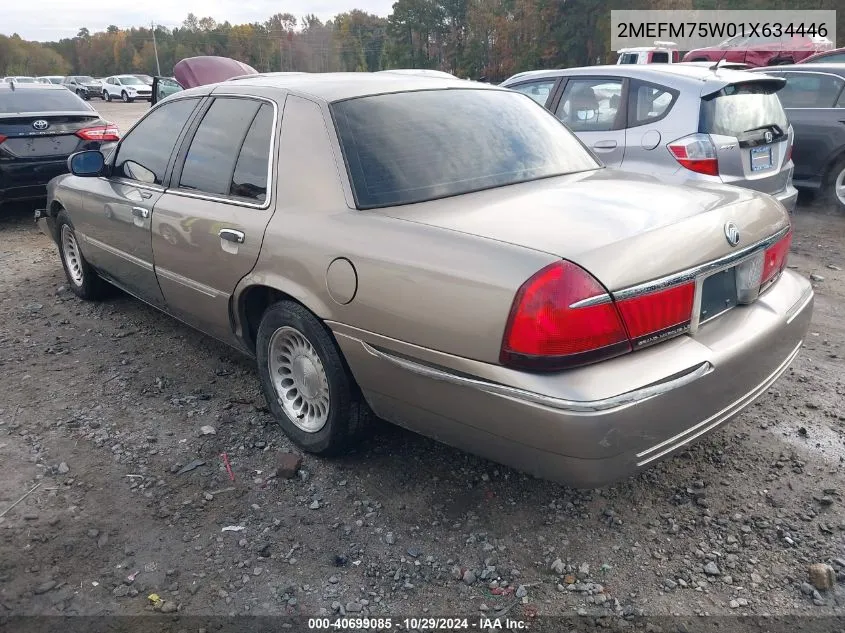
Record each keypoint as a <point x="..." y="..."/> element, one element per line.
<point x="657" y="313"/>
<point x="775" y="258"/>
<point x="789" y="153"/>
<point x="2" y="139"/>
<point x="100" y="133"/>
<point x="546" y="328"/>
<point x="697" y="153"/>
<point x="563" y="317"/>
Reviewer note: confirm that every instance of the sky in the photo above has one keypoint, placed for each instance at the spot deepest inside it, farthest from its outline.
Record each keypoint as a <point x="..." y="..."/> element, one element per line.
<point x="46" y="20"/>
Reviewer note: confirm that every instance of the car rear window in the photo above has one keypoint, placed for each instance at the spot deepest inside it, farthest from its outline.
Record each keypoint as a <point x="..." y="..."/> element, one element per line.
<point x="40" y="100"/>
<point x="740" y="108"/>
<point x="415" y="146"/>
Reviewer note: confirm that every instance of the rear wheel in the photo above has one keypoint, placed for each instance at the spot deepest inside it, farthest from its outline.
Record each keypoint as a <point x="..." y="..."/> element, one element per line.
<point x="83" y="280"/>
<point x="835" y="185"/>
<point x="306" y="383"/>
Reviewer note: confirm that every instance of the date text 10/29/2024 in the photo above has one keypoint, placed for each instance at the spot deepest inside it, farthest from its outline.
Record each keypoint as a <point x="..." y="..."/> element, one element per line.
<point x="416" y="624"/>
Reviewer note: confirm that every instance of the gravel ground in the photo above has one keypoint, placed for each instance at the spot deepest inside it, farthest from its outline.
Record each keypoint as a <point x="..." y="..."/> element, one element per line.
<point x="121" y="415"/>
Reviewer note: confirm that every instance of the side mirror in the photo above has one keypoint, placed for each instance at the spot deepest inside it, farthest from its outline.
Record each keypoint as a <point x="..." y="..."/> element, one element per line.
<point x="88" y="163"/>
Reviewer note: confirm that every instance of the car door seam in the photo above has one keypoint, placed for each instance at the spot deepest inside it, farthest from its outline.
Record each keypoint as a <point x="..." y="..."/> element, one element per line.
<point x="116" y="251"/>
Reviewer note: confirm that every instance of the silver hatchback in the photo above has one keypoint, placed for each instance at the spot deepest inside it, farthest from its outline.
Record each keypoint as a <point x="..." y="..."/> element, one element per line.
<point x="675" y="121"/>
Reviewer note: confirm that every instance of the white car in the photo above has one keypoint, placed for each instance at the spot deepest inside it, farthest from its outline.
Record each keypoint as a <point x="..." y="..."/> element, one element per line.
<point x="126" y="87"/>
<point x="50" y="79"/>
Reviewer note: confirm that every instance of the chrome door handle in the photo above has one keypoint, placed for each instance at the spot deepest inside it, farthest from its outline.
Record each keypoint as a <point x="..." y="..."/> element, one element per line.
<point x="604" y="145"/>
<point x="140" y="212"/>
<point x="231" y="235"/>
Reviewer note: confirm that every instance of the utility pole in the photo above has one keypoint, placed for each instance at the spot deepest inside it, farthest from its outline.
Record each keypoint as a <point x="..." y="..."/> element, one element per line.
<point x="155" y="47"/>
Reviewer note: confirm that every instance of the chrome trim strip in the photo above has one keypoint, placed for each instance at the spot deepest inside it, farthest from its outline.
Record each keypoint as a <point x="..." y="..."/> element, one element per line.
<point x="116" y="252"/>
<point x="188" y="283"/>
<point x="270" y="162"/>
<point x="691" y="273"/>
<point x="134" y="183"/>
<point x="592" y="301"/>
<point x="574" y="406"/>
<point x="694" y="432"/>
<point x="799" y="306"/>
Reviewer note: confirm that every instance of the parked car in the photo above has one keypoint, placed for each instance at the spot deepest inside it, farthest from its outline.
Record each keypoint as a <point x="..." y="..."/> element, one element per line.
<point x="660" y="53"/>
<point x="19" y="79"/>
<point x="680" y="121"/>
<point x="479" y="277"/>
<point x="834" y="56"/>
<point x="127" y="88"/>
<point x="814" y="100"/>
<point x="84" y="86"/>
<point x="758" y="50"/>
<point x="201" y="71"/>
<point x="40" y="126"/>
<point x="50" y="79"/>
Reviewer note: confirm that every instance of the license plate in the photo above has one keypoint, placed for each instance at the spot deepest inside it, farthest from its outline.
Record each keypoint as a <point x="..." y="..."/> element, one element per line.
<point x="761" y="158"/>
<point x="718" y="294"/>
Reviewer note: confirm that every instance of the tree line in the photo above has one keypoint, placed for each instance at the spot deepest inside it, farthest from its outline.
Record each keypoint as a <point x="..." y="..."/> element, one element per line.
<point x="476" y="39"/>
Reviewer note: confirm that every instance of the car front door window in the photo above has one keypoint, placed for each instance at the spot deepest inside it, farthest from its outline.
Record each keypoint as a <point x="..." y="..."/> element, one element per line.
<point x="810" y="90"/>
<point x="144" y="153"/>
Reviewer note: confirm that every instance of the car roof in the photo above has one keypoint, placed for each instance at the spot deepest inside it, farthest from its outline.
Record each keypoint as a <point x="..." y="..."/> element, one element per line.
<point x="34" y="86"/>
<point x="830" y="67"/>
<point x="332" y="87"/>
<point x="678" y="75"/>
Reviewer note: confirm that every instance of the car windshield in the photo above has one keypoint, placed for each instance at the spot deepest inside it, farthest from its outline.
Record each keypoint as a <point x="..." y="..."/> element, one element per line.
<point x="24" y="80"/>
<point x="131" y="81"/>
<point x="411" y="147"/>
<point x="738" y="109"/>
<point x="40" y="100"/>
<point x="85" y="80"/>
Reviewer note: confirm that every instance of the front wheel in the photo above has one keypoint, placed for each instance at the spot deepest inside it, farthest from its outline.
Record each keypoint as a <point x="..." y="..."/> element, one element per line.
<point x="306" y="383"/>
<point x="106" y="96"/>
<point x="125" y="97"/>
<point x="835" y="185"/>
<point x="83" y="280"/>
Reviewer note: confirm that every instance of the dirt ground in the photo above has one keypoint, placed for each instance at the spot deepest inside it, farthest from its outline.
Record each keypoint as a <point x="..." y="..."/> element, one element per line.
<point x="103" y="404"/>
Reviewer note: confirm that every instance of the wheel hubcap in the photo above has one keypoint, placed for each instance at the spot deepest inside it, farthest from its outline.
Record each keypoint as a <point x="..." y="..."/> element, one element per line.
<point x="839" y="187"/>
<point x="70" y="252"/>
<point x="299" y="378"/>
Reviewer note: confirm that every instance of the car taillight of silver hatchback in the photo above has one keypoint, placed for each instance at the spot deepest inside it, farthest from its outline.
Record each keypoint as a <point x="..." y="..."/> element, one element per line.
<point x="697" y="153"/>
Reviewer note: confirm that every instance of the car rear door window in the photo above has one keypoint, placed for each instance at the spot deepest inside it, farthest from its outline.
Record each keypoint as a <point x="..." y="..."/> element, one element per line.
<point x="649" y="103"/>
<point x="249" y="182"/>
<point x="537" y="90"/>
<point x="214" y="150"/>
<point x="590" y="105"/>
<point x="144" y="153"/>
<point x="810" y="90"/>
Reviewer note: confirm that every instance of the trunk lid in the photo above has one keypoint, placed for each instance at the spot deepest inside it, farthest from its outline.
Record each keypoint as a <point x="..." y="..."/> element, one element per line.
<point x="27" y="137"/>
<point x="625" y="228"/>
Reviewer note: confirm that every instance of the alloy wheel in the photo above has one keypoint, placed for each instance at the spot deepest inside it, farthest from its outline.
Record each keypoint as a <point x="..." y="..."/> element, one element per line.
<point x="299" y="379"/>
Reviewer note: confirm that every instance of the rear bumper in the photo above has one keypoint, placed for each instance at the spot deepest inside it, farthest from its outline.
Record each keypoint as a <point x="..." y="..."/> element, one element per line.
<point x="788" y="198"/>
<point x="574" y="430"/>
<point x="27" y="180"/>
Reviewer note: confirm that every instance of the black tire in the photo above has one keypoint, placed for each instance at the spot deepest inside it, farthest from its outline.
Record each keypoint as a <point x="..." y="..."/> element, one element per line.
<point x="106" y="96"/>
<point x="84" y="280"/>
<point x="348" y="414"/>
<point x="835" y="176"/>
<point x="125" y="97"/>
